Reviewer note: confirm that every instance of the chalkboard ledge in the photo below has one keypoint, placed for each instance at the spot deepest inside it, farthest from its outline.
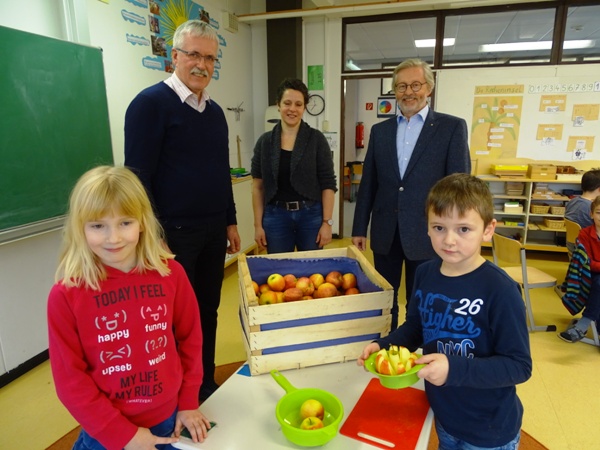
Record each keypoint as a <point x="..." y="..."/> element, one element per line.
<point x="31" y="229"/>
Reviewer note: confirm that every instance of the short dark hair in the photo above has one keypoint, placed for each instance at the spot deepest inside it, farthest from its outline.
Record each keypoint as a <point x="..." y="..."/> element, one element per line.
<point x="590" y="181"/>
<point x="292" y="83"/>
<point x="464" y="192"/>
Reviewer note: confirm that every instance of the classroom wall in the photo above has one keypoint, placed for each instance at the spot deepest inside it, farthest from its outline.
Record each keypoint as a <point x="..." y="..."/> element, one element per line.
<point x="27" y="266"/>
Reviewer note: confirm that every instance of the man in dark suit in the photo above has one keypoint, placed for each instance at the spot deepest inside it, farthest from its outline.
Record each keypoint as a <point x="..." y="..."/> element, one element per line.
<point x="406" y="156"/>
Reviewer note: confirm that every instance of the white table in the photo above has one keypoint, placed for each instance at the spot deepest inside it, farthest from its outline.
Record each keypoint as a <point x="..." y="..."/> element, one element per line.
<point x="244" y="408"/>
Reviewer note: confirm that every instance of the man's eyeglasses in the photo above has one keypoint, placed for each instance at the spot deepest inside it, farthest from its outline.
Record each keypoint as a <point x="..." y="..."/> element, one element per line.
<point x="415" y="86"/>
<point x="208" y="60"/>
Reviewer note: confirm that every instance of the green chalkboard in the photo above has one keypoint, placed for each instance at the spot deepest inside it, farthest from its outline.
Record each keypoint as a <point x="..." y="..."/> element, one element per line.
<point x="53" y="124"/>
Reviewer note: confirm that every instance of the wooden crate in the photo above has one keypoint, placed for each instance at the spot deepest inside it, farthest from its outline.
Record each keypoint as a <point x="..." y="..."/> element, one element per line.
<point x="541" y="171"/>
<point x="311" y="332"/>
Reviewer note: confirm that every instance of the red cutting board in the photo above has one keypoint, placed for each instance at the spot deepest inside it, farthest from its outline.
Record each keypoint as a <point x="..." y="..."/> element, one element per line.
<point x="394" y="415"/>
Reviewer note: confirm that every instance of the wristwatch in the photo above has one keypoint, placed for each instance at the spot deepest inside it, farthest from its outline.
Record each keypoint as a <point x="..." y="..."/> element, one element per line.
<point x="328" y="222"/>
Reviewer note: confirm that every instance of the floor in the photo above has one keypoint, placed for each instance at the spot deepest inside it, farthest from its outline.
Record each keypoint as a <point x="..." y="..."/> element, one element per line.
<point x="556" y="398"/>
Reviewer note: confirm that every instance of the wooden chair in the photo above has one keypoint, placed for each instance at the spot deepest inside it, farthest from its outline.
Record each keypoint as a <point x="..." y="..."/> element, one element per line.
<point x="573" y="229"/>
<point x="509" y="254"/>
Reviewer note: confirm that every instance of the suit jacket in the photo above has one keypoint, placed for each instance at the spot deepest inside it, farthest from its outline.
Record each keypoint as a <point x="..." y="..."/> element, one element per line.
<point x="393" y="202"/>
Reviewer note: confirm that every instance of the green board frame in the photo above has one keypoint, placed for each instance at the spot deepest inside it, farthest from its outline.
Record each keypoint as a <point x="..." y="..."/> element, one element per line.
<point x="53" y="126"/>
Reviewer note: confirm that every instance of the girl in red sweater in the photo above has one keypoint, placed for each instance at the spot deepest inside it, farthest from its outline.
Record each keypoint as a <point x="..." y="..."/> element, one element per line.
<point x="123" y="321"/>
<point x="589" y="237"/>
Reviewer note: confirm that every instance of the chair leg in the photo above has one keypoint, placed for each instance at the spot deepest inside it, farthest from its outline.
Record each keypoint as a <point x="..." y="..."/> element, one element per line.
<point x="532" y="326"/>
<point x="594" y="340"/>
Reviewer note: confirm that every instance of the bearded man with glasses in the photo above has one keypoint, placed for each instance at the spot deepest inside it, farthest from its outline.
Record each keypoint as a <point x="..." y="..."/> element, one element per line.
<point x="406" y="156"/>
<point x="177" y="141"/>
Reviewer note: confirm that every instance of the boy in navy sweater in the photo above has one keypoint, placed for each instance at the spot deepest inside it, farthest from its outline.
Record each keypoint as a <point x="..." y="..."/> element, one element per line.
<point x="469" y="318"/>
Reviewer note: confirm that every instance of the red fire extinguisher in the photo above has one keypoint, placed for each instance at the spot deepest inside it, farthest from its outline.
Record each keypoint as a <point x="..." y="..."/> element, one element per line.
<point x="360" y="135"/>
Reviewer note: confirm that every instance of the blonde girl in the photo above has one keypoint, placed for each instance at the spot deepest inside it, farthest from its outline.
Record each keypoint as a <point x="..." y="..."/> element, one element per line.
<point x="123" y="321"/>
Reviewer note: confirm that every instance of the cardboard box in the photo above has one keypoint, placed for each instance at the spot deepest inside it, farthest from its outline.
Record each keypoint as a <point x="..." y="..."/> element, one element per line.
<point x="541" y="171"/>
<point x="311" y="332"/>
<point x="513" y="208"/>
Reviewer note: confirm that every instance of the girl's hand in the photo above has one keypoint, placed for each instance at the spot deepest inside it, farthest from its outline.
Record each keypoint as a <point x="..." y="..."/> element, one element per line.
<point x="371" y="348"/>
<point x="196" y="423"/>
<point x="145" y="440"/>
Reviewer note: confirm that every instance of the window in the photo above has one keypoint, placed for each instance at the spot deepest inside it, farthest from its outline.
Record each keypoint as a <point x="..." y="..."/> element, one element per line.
<point x="375" y="45"/>
<point x="582" y="34"/>
<point x="513" y="37"/>
<point x="515" y="34"/>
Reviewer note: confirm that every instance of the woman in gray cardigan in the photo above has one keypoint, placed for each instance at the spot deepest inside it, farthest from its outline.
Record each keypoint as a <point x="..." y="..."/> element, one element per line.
<point x="294" y="184"/>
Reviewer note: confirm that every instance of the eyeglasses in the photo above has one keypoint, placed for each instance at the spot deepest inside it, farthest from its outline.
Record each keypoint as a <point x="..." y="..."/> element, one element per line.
<point x="415" y="86"/>
<point x="209" y="60"/>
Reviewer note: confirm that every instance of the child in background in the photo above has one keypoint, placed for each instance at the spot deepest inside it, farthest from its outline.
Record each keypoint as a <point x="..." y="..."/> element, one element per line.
<point x="469" y="318"/>
<point x="578" y="208"/>
<point x="123" y="322"/>
<point x="589" y="237"/>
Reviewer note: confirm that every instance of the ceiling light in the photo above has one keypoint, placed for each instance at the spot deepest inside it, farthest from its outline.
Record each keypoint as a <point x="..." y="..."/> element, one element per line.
<point x="430" y="43"/>
<point x="350" y="65"/>
<point x="539" y="45"/>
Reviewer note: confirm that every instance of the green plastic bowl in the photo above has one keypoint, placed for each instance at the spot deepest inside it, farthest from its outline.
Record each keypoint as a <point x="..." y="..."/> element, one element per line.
<point x="407" y="379"/>
<point x="288" y="413"/>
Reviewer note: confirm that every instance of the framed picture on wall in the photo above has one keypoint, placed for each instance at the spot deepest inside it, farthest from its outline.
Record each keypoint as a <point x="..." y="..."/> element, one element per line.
<point x="386" y="86"/>
<point x="386" y="106"/>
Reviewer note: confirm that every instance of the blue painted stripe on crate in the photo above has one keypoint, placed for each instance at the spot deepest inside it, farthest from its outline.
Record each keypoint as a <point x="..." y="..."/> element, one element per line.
<point x="319" y="344"/>
<point x="320" y="319"/>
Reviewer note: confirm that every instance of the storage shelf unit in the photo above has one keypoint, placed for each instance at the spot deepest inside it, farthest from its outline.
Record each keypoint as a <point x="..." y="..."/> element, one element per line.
<point x="537" y="231"/>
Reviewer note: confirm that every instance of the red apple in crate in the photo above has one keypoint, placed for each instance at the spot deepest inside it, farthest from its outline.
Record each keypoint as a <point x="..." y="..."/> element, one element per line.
<point x="255" y="287"/>
<point x="292" y="295"/>
<point x="290" y="281"/>
<point x="276" y="282"/>
<point x="311" y="423"/>
<point x="334" y="277"/>
<point x="317" y="280"/>
<point x="351" y="291"/>
<point x="312" y="408"/>
<point x="325" y="290"/>
<point x="348" y="281"/>
<point x="263" y="288"/>
<point x="307" y="297"/>
<point x="305" y="285"/>
<point x="268" y="298"/>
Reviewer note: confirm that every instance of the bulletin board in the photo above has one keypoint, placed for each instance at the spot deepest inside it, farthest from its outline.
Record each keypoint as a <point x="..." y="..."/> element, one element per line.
<point x="53" y="126"/>
<point x="537" y="113"/>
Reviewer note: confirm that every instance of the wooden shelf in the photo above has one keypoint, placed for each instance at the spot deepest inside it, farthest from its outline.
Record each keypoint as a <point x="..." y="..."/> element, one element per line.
<point x="533" y="233"/>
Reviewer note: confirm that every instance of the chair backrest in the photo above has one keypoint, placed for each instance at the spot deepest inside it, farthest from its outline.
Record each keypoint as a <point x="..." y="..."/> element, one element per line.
<point x="573" y="229"/>
<point x="506" y="251"/>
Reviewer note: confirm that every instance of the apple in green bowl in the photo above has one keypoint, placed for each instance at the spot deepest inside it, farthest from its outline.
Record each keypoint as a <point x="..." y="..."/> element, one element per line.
<point x="390" y="367"/>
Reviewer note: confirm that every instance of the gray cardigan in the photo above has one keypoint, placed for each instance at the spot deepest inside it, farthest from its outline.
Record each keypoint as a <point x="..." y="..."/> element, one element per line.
<point x="311" y="165"/>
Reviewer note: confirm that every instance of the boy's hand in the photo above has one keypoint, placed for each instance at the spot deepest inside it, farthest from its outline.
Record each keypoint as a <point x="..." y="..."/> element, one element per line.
<point x="436" y="370"/>
<point x="196" y="423"/>
<point x="371" y="348"/>
<point x="145" y="440"/>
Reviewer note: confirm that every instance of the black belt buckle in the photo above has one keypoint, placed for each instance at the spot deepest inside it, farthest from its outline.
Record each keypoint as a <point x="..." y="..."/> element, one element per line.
<point x="292" y="206"/>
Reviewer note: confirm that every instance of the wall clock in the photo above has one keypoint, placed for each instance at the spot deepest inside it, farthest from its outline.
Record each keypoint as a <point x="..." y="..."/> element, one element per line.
<point x="315" y="105"/>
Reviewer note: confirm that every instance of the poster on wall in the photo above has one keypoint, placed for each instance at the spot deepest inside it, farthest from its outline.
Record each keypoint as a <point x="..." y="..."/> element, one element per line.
<point x="153" y="24"/>
<point x="386" y="107"/>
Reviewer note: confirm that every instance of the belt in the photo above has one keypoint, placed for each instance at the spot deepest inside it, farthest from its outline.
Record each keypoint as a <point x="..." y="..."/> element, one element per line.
<point x="293" y="206"/>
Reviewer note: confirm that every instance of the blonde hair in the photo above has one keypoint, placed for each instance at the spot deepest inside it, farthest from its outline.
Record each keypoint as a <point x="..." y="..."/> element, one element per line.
<point x="102" y="191"/>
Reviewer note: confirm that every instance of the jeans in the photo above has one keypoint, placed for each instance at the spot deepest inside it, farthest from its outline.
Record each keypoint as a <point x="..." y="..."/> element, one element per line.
<point x="286" y="230"/>
<point x="163" y="429"/>
<point x="448" y="442"/>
